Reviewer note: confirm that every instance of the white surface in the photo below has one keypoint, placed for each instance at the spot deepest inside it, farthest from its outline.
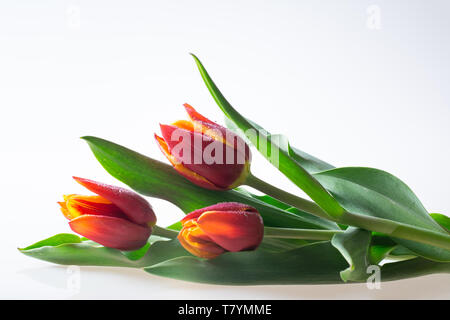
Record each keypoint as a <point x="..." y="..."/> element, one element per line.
<point x="345" y="92"/>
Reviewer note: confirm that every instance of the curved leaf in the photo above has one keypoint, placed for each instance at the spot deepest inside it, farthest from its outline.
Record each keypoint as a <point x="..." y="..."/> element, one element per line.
<point x="443" y="220"/>
<point x="70" y="249"/>
<point x="383" y="247"/>
<point x="412" y="268"/>
<point x="53" y="241"/>
<point x="310" y="264"/>
<point x="379" y="194"/>
<point x="378" y="253"/>
<point x="269" y="145"/>
<point x="307" y="161"/>
<point x="401" y="253"/>
<point x="354" y="246"/>
<point x="318" y="263"/>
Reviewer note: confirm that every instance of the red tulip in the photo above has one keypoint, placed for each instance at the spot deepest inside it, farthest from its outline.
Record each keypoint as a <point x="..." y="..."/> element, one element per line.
<point x="228" y="226"/>
<point x="115" y="217"/>
<point x="204" y="152"/>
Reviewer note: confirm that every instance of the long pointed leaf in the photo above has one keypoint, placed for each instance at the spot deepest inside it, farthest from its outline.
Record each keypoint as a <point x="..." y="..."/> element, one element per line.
<point x="307" y="161"/>
<point x="379" y="194"/>
<point x="69" y="249"/>
<point x="318" y="263"/>
<point x="267" y="145"/>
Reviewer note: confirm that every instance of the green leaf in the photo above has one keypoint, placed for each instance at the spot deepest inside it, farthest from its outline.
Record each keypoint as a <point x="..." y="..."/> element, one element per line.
<point x="268" y="145"/>
<point x="307" y="161"/>
<point x="280" y="245"/>
<point x="318" y="263"/>
<point x="376" y="193"/>
<point x="412" y="268"/>
<point x="69" y="249"/>
<point x="176" y="226"/>
<point x="383" y="247"/>
<point x="137" y="254"/>
<point x="378" y="253"/>
<point x="55" y="240"/>
<point x="354" y="245"/>
<point x="156" y="179"/>
<point x="401" y="253"/>
<point x="310" y="264"/>
<point x="443" y="220"/>
<point x="162" y="251"/>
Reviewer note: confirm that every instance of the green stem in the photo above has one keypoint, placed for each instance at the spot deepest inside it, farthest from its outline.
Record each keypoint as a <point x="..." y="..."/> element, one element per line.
<point x="286" y="197"/>
<point x="385" y="226"/>
<point x="307" y="234"/>
<point x="397" y="229"/>
<point x="163" y="232"/>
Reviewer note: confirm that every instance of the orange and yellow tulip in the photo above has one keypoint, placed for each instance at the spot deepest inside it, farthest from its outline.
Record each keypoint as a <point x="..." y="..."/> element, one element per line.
<point x="204" y="152"/>
<point x="115" y="217"/>
<point x="228" y="226"/>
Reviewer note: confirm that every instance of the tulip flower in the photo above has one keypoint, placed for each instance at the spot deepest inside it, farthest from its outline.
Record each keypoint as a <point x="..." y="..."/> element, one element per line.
<point x="228" y="226"/>
<point x="204" y="152"/>
<point x="115" y="217"/>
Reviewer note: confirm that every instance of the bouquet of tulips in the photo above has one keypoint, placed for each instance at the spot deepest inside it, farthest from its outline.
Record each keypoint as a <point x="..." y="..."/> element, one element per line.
<point x="358" y="223"/>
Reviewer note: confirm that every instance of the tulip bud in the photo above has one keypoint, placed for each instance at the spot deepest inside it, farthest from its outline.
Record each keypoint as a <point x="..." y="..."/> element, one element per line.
<point x="204" y="152"/>
<point x="115" y="217"/>
<point x="228" y="226"/>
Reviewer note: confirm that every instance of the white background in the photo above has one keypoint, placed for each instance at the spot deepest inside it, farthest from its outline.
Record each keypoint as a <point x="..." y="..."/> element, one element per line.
<point x="342" y="86"/>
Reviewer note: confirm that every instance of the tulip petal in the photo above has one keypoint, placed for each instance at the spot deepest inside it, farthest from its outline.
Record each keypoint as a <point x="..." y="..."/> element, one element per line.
<point x="76" y="205"/>
<point x="217" y="162"/>
<point x="195" y="116"/>
<point x="199" y="248"/>
<point x="181" y="169"/>
<point x="111" y="232"/>
<point x="233" y="230"/>
<point x="205" y="126"/>
<point x="135" y="207"/>
<point x="222" y="206"/>
<point x="218" y="132"/>
<point x="69" y="215"/>
<point x="197" y="234"/>
<point x="184" y="124"/>
<point x="192" y="230"/>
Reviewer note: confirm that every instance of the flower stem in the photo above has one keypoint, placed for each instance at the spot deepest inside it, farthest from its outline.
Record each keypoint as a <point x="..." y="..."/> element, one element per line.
<point x="164" y="232"/>
<point x="286" y="197"/>
<point x="307" y="234"/>
<point x="385" y="226"/>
